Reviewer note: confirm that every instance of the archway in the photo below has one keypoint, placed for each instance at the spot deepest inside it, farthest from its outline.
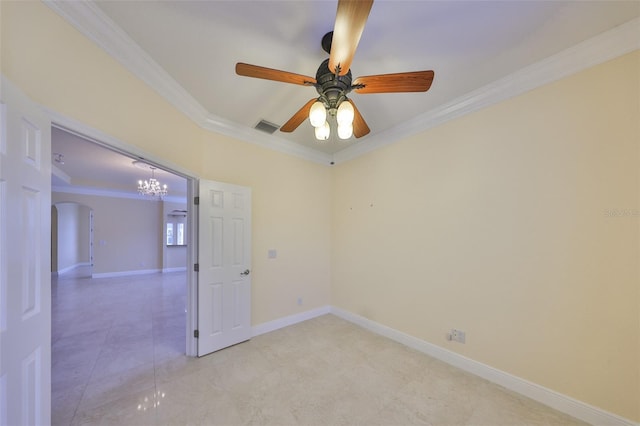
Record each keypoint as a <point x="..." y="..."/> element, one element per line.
<point x="72" y="239"/>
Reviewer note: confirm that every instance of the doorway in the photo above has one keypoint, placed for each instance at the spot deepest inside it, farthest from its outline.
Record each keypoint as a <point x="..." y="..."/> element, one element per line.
<point x="71" y="239"/>
<point x="119" y="322"/>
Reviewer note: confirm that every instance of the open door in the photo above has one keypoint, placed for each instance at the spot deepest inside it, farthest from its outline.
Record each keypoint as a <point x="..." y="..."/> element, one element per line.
<point x="224" y="259"/>
<point x="25" y="260"/>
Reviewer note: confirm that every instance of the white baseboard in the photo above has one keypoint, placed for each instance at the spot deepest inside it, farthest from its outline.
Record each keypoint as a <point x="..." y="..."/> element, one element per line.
<point x="72" y="267"/>
<point x="266" y="327"/>
<point x="126" y="273"/>
<point x="178" y="269"/>
<point x="558" y="401"/>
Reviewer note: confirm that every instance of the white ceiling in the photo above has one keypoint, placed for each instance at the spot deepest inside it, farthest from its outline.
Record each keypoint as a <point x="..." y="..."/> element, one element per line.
<point x="88" y="166"/>
<point x="469" y="44"/>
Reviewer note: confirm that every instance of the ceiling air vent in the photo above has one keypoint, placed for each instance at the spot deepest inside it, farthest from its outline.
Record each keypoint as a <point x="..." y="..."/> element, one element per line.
<point x="265" y="126"/>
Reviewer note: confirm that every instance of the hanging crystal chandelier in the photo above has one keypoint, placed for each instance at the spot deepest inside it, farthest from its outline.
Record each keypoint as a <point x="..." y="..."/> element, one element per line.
<point x="151" y="187"/>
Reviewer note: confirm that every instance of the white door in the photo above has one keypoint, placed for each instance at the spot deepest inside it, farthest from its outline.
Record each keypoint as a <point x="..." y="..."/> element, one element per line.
<point x="25" y="260"/>
<point x="224" y="259"/>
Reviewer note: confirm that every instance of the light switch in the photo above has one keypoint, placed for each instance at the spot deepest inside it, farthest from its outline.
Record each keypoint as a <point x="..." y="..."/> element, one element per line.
<point x="273" y="253"/>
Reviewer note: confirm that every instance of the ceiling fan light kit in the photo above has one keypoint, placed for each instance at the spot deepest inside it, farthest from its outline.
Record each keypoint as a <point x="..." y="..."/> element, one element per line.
<point x="322" y="132"/>
<point x="334" y="82"/>
<point x="317" y="114"/>
<point x="344" y="115"/>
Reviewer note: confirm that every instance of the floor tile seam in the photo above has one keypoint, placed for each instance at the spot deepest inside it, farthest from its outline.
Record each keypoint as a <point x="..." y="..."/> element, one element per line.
<point x="95" y="363"/>
<point x="86" y="383"/>
<point x="75" y="410"/>
<point x="156" y="414"/>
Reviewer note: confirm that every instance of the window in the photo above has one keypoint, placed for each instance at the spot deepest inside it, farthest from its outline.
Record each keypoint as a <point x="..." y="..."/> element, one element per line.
<point x="176" y="229"/>
<point x="169" y="233"/>
<point x="180" y="237"/>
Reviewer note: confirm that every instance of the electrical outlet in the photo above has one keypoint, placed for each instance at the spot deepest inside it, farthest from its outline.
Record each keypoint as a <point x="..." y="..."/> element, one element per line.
<point x="457" y="335"/>
<point x="299" y="300"/>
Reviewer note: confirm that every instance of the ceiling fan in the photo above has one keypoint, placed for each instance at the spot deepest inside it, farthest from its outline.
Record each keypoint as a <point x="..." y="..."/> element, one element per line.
<point x="333" y="80"/>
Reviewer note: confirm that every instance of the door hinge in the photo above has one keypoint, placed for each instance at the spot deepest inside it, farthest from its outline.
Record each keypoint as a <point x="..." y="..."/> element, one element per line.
<point x="196" y="267"/>
<point x="196" y="334"/>
<point x="196" y="200"/>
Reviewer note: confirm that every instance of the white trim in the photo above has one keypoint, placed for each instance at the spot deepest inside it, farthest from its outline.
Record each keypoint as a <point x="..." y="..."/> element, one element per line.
<point x="192" y="275"/>
<point x="276" y="324"/>
<point x="178" y="269"/>
<point x="558" y="401"/>
<point x="60" y="174"/>
<point x="126" y="273"/>
<point x="89" y="19"/>
<point x="101" y="192"/>
<point x="97" y="26"/>
<point x="101" y="138"/>
<point x="72" y="267"/>
<point x="599" y="49"/>
<point x="248" y="134"/>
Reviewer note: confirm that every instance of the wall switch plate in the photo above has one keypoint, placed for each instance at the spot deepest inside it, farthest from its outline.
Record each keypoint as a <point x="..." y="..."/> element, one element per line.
<point x="272" y="253"/>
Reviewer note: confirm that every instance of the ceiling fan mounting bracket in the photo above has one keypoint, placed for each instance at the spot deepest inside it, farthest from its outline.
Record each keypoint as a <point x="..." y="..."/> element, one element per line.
<point x="332" y="87"/>
<point x="326" y="42"/>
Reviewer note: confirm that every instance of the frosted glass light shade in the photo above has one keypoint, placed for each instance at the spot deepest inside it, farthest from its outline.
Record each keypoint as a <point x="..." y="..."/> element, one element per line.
<point x="345" y="113"/>
<point x="345" y="131"/>
<point x="322" y="132"/>
<point x="317" y="114"/>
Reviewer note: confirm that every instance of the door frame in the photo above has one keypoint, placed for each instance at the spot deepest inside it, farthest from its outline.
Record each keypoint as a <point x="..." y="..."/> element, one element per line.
<point x="96" y="136"/>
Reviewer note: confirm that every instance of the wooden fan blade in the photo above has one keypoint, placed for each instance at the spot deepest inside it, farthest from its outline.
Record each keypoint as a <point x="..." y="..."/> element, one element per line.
<point x="350" y="20"/>
<point x="417" y="81"/>
<point x="256" y="71"/>
<point x="298" y="117"/>
<point x="360" y="127"/>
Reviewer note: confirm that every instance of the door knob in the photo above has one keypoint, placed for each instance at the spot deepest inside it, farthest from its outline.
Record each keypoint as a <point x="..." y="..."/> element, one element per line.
<point x="246" y="272"/>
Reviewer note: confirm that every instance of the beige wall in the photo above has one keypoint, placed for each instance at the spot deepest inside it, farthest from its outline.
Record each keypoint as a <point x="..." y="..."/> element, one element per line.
<point x="495" y="223"/>
<point x="61" y="69"/>
<point x="70" y="242"/>
<point x="500" y="224"/>
<point x="127" y="233"/>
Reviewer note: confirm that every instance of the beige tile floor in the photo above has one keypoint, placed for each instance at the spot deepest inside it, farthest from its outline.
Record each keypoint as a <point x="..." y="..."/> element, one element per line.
<point x="118" y="347"/>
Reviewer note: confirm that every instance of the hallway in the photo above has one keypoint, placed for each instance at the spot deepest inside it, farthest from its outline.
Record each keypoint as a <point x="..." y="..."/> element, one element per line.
<point x="108" y="334"/>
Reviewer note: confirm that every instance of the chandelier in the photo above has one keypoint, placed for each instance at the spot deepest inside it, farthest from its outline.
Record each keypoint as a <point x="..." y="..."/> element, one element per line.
<point x="151" y="187"/>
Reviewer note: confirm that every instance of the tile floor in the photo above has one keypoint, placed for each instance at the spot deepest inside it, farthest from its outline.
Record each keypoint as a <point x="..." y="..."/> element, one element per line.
<point x="118" y="347"/>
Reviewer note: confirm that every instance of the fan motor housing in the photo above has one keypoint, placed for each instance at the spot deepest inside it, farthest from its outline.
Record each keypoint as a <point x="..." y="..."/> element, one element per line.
<point x="331" y="86"/>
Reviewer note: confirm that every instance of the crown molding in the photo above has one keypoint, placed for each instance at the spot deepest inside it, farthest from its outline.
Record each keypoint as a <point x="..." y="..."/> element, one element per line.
<point x="611" y="44"/>
<point x="55" y="171"/>
<point x="101" y="192"/>
<point x="94" y="24"/>
<point x="87" y="18"/>
<point x="248" y="134"/>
